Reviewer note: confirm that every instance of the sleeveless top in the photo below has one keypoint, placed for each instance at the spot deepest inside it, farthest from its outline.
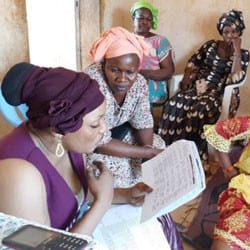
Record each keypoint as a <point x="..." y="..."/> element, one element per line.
<point x="61" y="201"/>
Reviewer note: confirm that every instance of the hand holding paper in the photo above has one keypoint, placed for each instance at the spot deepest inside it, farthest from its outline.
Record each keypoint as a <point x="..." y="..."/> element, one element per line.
<point x="176" y="176"/>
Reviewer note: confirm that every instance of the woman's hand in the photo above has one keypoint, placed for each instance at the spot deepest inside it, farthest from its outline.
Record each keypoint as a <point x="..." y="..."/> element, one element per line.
<point x="133" y="195"/>
<point x="151" y="151"/>
<point x="201" y="86"/>
<point x="189" y="77"/>
<point x="100" y="182"/>
<point x="237" y="45"/>
<point x="184" y="85"/>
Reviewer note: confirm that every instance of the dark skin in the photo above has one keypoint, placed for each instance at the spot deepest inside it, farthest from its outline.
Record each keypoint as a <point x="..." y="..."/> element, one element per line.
<point x="120" y="73"/>
<point x="229" y="46"/>
<point x="142" y="20"/>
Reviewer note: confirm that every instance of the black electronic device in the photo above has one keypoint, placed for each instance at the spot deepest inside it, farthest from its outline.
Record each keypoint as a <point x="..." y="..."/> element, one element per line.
<point x="30" y="237"/>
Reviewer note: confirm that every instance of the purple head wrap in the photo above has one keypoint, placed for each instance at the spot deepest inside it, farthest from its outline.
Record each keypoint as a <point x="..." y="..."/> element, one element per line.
<point x="57" y="97"/>
<point x="233" y="17"/>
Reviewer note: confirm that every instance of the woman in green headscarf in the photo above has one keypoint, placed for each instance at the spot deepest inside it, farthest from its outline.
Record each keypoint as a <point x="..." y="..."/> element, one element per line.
<point x="158" y="66"/>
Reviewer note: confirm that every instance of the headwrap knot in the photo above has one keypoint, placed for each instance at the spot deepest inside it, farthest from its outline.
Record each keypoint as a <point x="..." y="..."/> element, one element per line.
<point x="59" y="106"/>
<point x="145" y="4"/>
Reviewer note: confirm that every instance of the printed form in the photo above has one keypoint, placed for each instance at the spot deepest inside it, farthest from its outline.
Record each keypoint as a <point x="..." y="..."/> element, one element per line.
<point x="176" y="176"/>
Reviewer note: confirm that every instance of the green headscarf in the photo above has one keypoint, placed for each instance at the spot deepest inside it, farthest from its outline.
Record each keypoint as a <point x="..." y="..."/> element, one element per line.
<point x="145" y="4"/>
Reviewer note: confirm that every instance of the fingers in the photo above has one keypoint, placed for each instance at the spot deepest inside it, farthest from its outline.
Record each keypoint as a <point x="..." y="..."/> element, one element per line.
<point x="143" y="188"/>
<point x="138" y="201"/>
<point x="90" y="171"/>
<point x="96" y="169"/>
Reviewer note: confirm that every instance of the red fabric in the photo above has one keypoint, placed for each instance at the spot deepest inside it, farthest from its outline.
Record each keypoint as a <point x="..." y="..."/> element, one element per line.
<point x="231" y="127"/>
<point x="234" y="218"/>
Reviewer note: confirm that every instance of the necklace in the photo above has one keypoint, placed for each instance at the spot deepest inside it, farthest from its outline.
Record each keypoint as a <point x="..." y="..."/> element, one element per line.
<point x="47" y="150"/>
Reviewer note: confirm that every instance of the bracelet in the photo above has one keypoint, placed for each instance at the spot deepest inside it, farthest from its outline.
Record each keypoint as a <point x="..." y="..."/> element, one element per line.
<point x="228" y="170"/>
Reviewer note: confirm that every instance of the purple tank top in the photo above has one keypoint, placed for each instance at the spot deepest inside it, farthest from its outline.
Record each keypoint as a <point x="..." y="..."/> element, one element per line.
<point x="62" y="204"/>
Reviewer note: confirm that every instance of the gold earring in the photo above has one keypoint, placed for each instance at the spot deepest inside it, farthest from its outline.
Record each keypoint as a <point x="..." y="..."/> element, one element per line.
<point x="59" y="148"/>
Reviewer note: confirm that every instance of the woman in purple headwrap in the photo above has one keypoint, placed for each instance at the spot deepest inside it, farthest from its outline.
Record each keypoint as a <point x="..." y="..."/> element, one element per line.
<point x="42" y="173"/>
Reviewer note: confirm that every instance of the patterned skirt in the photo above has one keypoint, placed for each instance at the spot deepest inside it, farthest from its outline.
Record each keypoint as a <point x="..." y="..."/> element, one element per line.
<point x="233" y="226"/>
<point x="185" y="114"/>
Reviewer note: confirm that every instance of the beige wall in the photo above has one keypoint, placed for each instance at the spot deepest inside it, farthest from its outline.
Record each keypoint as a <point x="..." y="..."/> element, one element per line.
<point x="186" y="23"/>
<point x="13" y="33"/>
<point x="13" y="40"/>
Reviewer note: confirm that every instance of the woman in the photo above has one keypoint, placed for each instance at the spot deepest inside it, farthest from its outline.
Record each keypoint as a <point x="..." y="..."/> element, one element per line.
<point x="215" y="65"/>
<point x="157" y="67"/>
<point x="117" y="55"/>
<point x="42" y="173"/>
<point x="232" y="229"/>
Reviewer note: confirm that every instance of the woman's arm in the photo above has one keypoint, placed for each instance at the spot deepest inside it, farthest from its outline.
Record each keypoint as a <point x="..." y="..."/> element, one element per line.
<point x="222" y="134"/>
<point x="237" y="55"/>
<point x="22" y="191"/>
<point x="165" y="72"/>
<point x="193" y="66"/>
<point x="226" y="165"/>
<point x="121" y="149"/>
<point x="240" y="62"/>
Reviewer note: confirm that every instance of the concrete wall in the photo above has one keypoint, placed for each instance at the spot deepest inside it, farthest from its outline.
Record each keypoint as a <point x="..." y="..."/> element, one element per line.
<point x="13" y="40"/>
<point x="186" y="23"/>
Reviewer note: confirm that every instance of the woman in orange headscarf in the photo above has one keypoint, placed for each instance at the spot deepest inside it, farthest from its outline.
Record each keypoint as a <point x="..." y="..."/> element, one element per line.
<point x="117" y="56"/>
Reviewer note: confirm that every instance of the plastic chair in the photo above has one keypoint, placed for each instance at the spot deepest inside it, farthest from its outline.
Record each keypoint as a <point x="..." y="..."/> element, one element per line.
<point x="174" y="87"/>
<point x="227" y="98"/>
<point x="14" y="115"/>
<point x="174" y="84"/>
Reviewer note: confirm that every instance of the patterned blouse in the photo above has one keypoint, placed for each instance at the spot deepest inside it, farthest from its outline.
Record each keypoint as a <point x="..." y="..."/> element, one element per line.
<point x="161" y="48"/>
<point x="135" y="109"/>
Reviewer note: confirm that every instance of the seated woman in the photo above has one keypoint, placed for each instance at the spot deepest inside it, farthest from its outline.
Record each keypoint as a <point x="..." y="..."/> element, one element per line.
<point x="117" y="55"/>
<point x="42" y="172"/>
<point x="232" y="229"/>
<point x="157" y="67"/>
<point x="215" y="65"/>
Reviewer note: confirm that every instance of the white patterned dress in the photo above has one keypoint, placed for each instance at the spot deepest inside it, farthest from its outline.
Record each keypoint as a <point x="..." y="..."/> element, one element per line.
<point x="136" y="111"/>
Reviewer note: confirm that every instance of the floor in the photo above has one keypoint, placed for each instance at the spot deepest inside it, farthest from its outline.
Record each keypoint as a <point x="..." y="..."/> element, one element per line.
<point x="180" y="216"/>
<point x="185" y="214"/>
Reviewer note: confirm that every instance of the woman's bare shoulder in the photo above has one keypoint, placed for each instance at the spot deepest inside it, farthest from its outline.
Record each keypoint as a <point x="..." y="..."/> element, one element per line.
<point x="21" y="172"/>
<point x="21" y="185"/>
<point x="15" y="166"/>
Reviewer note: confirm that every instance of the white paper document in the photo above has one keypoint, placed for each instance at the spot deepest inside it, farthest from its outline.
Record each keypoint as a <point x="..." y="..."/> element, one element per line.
<point x="120" y="229"/>
<point x="176" y="176"/>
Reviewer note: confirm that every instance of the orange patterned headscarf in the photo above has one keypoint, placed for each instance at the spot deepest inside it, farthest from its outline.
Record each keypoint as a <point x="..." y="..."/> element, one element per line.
<point x="117" y="42"/>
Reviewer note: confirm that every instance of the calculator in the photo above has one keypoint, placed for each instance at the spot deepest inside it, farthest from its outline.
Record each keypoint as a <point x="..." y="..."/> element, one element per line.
<point x="30" y="237"/>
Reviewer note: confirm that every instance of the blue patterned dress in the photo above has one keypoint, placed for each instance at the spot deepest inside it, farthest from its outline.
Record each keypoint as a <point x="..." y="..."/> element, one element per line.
<point x="161" y="48"/>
